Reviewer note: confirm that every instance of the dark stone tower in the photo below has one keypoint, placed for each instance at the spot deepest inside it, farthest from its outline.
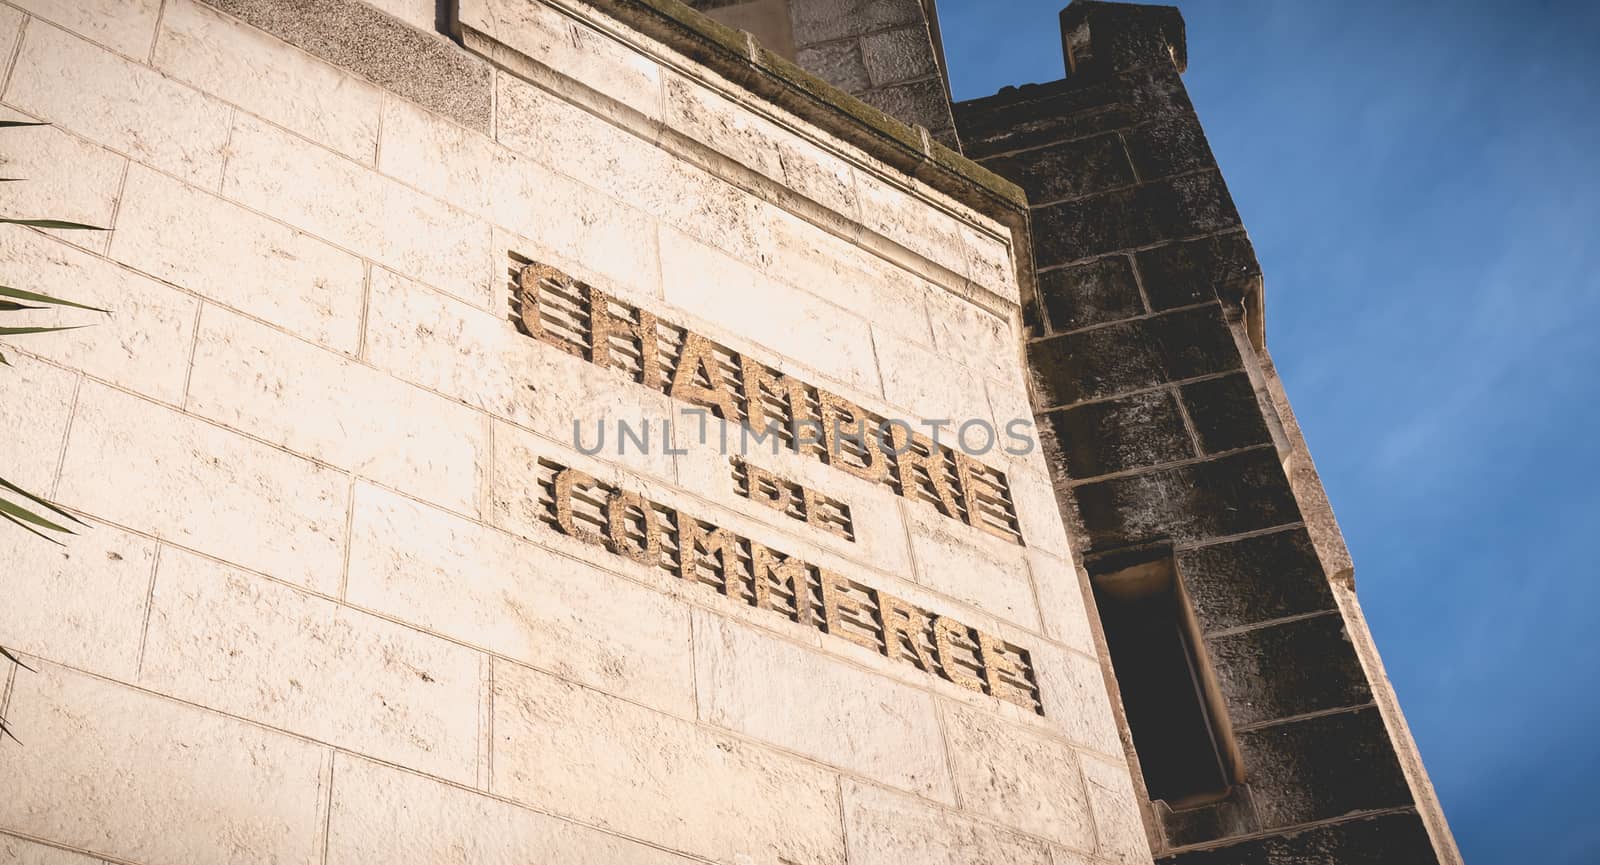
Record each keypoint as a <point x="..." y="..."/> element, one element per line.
<point x="1255" y="708"/>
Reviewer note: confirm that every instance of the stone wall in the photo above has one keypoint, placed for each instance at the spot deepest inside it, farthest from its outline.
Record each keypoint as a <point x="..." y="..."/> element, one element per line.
<point x="1173" y="445"/>
<point x="326" y="612"/>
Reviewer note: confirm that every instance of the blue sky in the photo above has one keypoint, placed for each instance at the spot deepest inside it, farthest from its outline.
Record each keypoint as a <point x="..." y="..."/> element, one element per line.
<point x="1422" y="184"/>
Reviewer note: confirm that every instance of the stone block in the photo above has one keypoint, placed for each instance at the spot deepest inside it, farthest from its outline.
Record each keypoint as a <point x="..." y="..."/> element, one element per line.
<point x="142" y="465"/>
<point x="479" y="358"/>
<point x="1061" y="601"/>
<point x="131" y="776"/>
<point x="824" y="20"/>
<point x="1095" y="292"/>
<point x="31" y="440"/>
<point x="1225" y="413"/>
<point x="919" y="228"/>
<point x="1196" y="271"/>
<point x="1117" y="435"/>
<point x="418" y="65"/>
<point x="11" y="20"/>
<point x="1070" y="169"/>
<point x="566" y="138"/>
<point x="1037" y="115"/>
<point x="887" y="828"/>
<point x="240" y="64"/>
<point x="833" y="712"/>
<point x="257" y="649"/>
<point x="990" y="265"/>
<point x="82" y="605"/>
<point x="1132" y="355"/>
<point x="822" y="264"/>
<point x="1073" y="691"/>
<point x="474" y="584"/>
<point x="927" y="385"/>
<point x="919" y="103"/>
<point x="1363" y="841"/>
<point x="195" y="240"/>
<point x="623" y="768"/>
<point x="357" y="208"/>
<point x="893" y="56"/>
<point x="382" y="814"/>
<point x="571" y="46"/>
<point x="1015" y="777"/>
<point x="1242" y="492"/>
<point x="328" y="407"/>
<point x="109" y="100"/>
<point x="716" y="288"/>
<point x="978" y="338"/>
<point x="1254" y="580"/>
<point x="1293" y="668"/>
<point x="838" y="63"/>
<point x="143" y="344"/>
<point x="421" y="14"/>
<point x="973" y="567"/>
<point x="1322" y="767"/>
<point x="1169" y="145"/>
<point x="125" y="26"/>
<point x="1117" y="820"/>
<point x="60" y="176"/>
<point x="1136" y="216"/>
<point x="1038" y="511"/>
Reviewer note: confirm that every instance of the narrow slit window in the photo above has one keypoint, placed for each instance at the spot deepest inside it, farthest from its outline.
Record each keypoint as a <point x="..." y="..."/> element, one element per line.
<point x="1173" y="712"/>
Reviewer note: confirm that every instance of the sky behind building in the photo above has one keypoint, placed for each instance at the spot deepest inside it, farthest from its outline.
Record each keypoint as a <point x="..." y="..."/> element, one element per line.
<point x="1421" y="186"/>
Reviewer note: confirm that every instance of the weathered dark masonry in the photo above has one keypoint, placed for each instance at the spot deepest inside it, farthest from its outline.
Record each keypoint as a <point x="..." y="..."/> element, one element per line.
<point x="1174" y="451"/>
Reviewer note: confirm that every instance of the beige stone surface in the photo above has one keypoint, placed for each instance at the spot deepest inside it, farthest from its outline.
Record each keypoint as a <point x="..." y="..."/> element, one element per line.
<point x="885" y="828"/>
<point x="144" y="343"/>
<point x="574" y="47"/>
<point x="1111" y="794"/>
<point x="222" y="251"/>
<point x="784" y="321"/>
<point x="629" y="769"/>
<point x="1061" y="601"/>
<point x="150" y="468"/>
<point x="137" y="777"/>
<point x="111" y="101"/>
<point x="317" y="403"/>
<point x="240" y="64"/>
<point x="923" y="230"/>
<point x="479" y="358"/>
<point x="481" y="586"/>
<point x="261" y="650"/>
<point x="964" y="563"/>
<point x="1016" y="777"/>
<point x="977" y="337"/>
<point x="1034" y="495"/>
<point x="826" y="709"/>
<point x="382" y="814"/>
<point x="60" y="176"/>
<point x="337" y="200"/>
<point x="11" y="21"/>
<point x="924" y="384"/>
<point x="1073" y="690"/>
<point x="31" y="440"/>
<point x="125" y="26"/>
<point x="82" y="604"/>
<point x="19" y="852"/>
<point x="630" y="169"/>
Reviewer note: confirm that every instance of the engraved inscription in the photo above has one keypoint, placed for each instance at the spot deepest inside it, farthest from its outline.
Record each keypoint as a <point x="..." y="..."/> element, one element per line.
<point x="792" y="499"/>
<point x="581" y="320"/>
<point x="748" y="572"/>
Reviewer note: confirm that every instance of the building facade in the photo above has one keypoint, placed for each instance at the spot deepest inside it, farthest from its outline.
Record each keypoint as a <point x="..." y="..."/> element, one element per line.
<point x="610" y="431"/>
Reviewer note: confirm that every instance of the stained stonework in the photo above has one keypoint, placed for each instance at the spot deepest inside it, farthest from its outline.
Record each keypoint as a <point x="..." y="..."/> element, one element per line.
<point x="1174" y="451"/>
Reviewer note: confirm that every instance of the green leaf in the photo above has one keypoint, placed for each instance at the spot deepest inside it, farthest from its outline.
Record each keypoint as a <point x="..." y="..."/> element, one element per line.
<point x="21" y="331"/>
<point x="7" y="124"/>
<point x="29" y="529"/>
<point x="3" y="361"/>
<point x="19" y="294"/>
<point x="38" y="501"/>
<point x="17" y="512"/>
<point x="8" y="306"/>
<point x="52" y="223"/>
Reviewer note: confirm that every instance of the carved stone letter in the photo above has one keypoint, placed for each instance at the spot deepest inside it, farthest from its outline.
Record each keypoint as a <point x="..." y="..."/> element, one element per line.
<point x="834" y="606"/>
<point x="945" y="630"/>
<point x="602" y="325"/>
<point x="990" y="650"/>
<point x="906" y="466"/>
<point x="902" y="623"/>
<point x="617" y="527"/>
<point x="528" y="315"/>
<point x="565" y="482"/>
<point x="834" y="411"/>
<point x="698" y="356"/>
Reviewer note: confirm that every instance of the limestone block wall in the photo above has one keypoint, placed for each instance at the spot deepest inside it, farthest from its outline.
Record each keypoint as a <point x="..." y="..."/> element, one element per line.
<point x="327" y="611"/>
